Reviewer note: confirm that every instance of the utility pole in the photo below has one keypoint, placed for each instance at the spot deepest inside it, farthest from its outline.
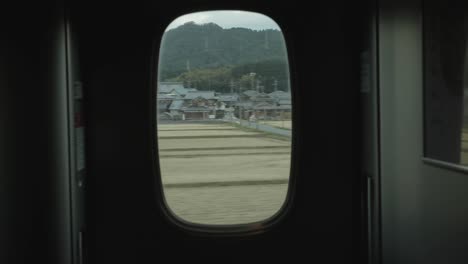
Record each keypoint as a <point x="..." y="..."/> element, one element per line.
<point x="187" y="64"/>
<point x="252" y="79"/>
<point x="240" y="117"/>
<point x="232" y="86"/>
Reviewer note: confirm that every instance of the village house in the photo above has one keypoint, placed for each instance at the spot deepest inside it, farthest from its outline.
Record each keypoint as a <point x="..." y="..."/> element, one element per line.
<point x="176" y="102"/>
<point x="229" y="100"/>
<point x="199" y="108"/>
<point x="174" y="88"/>
<point x="195" y="105"/>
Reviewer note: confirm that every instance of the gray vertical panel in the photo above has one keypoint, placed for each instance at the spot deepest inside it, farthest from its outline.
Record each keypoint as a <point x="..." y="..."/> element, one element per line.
<point x="424" y="208"/>
<point x="76" y="147"/>
<point x="400" y="54"/>
<point x="370" y="160"/>
<point x="445" y="213"/>
<point x="60" y="145"/>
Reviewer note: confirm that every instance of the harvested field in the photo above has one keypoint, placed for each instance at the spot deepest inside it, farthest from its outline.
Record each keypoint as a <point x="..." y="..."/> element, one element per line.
<point x="221" y="174"/>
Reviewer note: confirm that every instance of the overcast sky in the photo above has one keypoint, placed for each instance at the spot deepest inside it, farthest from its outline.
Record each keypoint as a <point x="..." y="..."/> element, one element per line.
<point x="227" y="19"/>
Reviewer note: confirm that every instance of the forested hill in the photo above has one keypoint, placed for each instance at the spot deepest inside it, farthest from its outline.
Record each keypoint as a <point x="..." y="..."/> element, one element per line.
<point x="193" y="46"/>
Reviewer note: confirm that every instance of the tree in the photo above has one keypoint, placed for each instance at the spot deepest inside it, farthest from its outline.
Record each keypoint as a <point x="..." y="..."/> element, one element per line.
<point x="210" y="46"/>
<point x="216" y="79"/>
<point x="247" y="82"/>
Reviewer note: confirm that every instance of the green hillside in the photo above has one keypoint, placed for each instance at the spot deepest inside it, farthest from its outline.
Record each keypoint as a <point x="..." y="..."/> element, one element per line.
<point x="194" y="47"/>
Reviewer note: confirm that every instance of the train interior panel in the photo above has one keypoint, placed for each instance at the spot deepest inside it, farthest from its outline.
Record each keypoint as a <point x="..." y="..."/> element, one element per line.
<point x="234" y="132"/>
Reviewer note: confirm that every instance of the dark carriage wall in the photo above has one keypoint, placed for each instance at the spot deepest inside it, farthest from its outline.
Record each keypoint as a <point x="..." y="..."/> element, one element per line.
<point x="34" y="197"/>
<point x="126" y="226"/>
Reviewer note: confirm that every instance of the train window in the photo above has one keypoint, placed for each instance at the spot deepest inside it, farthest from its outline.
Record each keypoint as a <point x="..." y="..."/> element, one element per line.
<point x="446" y="82"/>
<point x="224" y="117"/>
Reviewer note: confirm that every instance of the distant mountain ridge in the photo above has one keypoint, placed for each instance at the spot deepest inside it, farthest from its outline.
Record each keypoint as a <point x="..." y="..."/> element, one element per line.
<point x="194" y="46"/>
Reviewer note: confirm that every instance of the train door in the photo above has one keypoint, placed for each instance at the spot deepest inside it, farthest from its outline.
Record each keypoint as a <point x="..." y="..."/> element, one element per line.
<point x="127" y="222"/>
<point x="419" y="211"/>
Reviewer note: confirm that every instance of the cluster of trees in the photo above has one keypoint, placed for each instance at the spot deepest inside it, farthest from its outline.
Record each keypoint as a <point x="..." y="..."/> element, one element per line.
<point x="208" y="57"/>
<point x="268" y="75"/>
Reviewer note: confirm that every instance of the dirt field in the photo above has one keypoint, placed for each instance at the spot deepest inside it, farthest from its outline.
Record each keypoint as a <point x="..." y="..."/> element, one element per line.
<point x="219" y="174"/>
<point x="226" y="205"/>
<point x="207" y="132"/>
<point x="199" y="143"/>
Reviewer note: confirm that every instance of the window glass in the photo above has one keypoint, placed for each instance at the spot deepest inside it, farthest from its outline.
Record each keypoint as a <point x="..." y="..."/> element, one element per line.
<point x="445" y="81"/>
<point x="224" y="117"/>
